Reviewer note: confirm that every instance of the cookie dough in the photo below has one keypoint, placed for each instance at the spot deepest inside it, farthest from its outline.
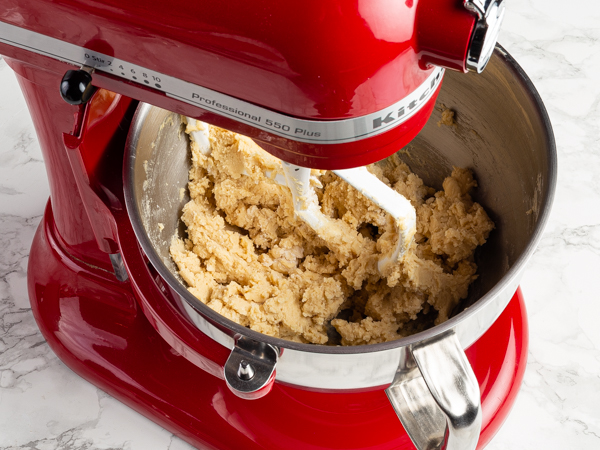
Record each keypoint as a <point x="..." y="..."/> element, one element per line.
<point x="447" y="118"/>
<point x="247" y="257"/>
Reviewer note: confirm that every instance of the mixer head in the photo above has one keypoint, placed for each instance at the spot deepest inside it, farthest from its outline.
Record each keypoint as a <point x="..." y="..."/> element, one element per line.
<point x="329" y="85"/>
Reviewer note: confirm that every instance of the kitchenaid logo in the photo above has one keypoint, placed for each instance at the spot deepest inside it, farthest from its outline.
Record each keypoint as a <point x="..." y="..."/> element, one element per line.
<point x="221" y="106"/>
<point x="421" y="95"/>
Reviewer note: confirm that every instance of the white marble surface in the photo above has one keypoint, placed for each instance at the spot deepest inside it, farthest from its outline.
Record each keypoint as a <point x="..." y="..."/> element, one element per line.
<point x="44" y="406"/>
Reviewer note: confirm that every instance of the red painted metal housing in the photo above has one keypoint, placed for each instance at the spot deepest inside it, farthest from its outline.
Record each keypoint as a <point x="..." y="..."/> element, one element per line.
<point x="95" y="325"/>
<point x="306" y="59"/>
<point x="132" y="339"/>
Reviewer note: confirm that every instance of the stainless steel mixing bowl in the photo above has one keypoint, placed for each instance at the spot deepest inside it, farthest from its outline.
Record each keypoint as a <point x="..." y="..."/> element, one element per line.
<point x="503" y="134"/>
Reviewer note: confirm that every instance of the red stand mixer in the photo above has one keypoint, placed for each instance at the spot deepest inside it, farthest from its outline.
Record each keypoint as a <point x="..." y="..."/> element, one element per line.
<point x="328" y="85"/>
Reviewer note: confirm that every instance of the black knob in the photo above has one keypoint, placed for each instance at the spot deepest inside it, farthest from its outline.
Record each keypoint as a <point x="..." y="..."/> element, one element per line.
<point x="76" y="87"/>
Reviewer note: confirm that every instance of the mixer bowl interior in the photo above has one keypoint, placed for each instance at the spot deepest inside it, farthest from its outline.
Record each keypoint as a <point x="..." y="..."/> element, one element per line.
<point x="502" y="134"/>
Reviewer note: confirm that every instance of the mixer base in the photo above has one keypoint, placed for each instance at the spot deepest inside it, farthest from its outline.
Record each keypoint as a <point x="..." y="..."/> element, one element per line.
<point x="95" y="326"/>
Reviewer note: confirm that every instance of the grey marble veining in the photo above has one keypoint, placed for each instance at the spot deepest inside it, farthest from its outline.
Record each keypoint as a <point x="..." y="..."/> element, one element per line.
<point x="45" y="406"/>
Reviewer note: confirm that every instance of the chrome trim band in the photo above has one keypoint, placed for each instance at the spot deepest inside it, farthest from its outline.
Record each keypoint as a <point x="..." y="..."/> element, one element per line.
<point x="300" y="130"/>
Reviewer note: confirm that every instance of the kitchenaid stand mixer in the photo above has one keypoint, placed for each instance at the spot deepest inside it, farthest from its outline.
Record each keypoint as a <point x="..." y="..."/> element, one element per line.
<point x="103" y="303"/>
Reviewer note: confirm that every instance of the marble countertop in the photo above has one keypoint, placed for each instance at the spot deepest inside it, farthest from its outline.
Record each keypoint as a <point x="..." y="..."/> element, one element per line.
<point x="45" y="406"/>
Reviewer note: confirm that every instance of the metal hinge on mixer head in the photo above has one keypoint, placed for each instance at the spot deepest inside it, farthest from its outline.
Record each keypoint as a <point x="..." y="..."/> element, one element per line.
<point x="490" y="14"/>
